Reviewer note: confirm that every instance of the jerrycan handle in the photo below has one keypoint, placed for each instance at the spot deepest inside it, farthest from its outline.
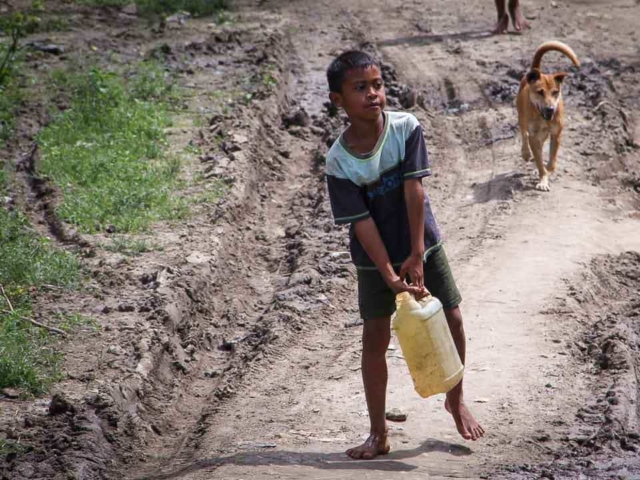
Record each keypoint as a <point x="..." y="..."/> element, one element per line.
<point x="426" y="299"/>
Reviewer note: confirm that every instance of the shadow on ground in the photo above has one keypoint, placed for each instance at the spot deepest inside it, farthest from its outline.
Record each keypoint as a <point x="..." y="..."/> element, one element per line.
<point x="325" y="461"/>
<point x="428" y="39"/>
<point x="501" y="187"/>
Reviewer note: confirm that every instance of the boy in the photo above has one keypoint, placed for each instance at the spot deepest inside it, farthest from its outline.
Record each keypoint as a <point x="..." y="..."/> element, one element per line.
<point x="374" y="171"/>
<point x="518" y="20"/>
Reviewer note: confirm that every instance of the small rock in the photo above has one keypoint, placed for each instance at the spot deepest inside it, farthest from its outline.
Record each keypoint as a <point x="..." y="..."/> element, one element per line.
<point x="554" y="4"/>
<point x="254" y="445"/>
<point x="396" y="415"/>
<point x="45" y="470"/>
<point x="317" y="130"/>
<point x="284" y="153"/>
<point x="229" y="147"/>
<point x="102" y="309"/>
<point x="59" y="405"/>
<point x="26" y="470"/>
<point x="197" y="258"/>
<point x="179" y="18"/>
<point x="49" y="48"/>
<point x="115" y="350"/>
<point x="131" y="9"/>
<point x="211" y="373"/>
<point x="296" y="131"/>
<point x="240" y="139"/>
<point x="126" y="307"/>
<point x="10" y="393"/>
<point x="408" y="98"/>
<point x="180" y="366"/>
<point x="111" y="229"/>
<point x="28" y="422"/>
<point x="238" y="156"/>
<point x="299" y="118"/>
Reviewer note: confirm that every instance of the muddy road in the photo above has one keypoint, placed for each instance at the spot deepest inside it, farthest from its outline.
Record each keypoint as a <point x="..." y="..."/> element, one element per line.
<point x="244" y="362"/>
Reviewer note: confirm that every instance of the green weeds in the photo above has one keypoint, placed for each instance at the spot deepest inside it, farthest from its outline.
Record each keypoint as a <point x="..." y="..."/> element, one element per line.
<point x="131" y="247"/>
<point x="107" y="152"/>
<point x="28" y="358"/>
<point x="197" y="8"/>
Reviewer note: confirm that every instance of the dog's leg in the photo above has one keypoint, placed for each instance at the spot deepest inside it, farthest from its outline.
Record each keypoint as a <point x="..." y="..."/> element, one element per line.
<point x="537" y="142"/>
<point x="526" y="149"/>
<point x="553" y="150"/>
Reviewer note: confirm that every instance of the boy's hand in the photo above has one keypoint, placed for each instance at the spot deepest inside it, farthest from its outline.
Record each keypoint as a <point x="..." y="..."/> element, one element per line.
<point x="398" y="285"/>
<point x="413" y="267"/>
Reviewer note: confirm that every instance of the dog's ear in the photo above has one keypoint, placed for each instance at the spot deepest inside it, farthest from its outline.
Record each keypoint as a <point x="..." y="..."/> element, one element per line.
<point x="559" y="77"/>
<point x="533" y="75"/>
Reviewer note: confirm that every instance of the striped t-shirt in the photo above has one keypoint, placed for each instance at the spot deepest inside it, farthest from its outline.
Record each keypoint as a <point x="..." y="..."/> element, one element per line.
<point x="372" y="185"/>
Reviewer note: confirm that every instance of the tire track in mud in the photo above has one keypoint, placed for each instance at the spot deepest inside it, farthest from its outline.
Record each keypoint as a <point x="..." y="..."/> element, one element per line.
<point x="295" y="209"/>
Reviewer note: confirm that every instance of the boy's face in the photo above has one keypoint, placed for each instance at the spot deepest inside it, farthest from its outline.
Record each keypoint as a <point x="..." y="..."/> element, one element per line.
<point x="362" y="95"/>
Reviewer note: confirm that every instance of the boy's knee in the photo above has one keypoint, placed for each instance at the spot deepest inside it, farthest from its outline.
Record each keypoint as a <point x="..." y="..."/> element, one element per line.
<point x="376" y="337"/>
<point x="454" y="318"/>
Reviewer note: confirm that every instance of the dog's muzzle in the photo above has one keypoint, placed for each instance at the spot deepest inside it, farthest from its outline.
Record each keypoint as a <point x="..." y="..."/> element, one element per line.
<point x="547" y="112"/>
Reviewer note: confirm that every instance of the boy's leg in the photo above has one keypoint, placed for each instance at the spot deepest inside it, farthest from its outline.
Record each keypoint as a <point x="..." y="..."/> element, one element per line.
<point x="440" y="282"/>
<point x="503" y="19"/>
<point x="375" y="341"/>
<point x="517" y="18"/>
<point x="466" y="423"/>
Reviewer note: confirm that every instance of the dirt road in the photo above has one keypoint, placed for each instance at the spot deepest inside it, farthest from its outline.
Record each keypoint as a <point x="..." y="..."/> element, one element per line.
<point x="271" y="388"/>
<point x="514" y="251"/>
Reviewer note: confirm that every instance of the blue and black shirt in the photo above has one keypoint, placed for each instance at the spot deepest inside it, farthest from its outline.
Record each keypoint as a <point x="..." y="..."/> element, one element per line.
<point x="372" y="185"/>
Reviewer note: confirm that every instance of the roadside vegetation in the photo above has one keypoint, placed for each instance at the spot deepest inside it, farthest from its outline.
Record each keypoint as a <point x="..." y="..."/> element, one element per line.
<point x="13" y="28"/>
<point x="107" y="153"/>
<point x="197" y="8"/>
<point x="28" y="263"/>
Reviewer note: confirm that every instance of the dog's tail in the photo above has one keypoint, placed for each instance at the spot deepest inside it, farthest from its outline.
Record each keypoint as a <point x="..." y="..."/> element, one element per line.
<point x="558" y="47"/>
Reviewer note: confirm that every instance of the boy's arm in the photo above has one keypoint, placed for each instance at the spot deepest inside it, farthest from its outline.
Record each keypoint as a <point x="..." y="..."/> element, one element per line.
<point x="349" y="207"/>
<point x="414" y="198"/>
<point x="414" y="167"/>
<point x="369" y="238"/>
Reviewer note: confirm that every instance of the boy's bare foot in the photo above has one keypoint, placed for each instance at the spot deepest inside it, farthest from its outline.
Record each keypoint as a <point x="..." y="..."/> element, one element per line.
<point x="466" y="423"/>
<point x="374" y="445"/>
<point x="517" y="18"/>
<point x="502" y="26"/>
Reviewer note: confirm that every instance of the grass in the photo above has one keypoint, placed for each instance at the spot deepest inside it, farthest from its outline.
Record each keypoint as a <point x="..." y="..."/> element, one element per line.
<point x="10" y="98"/>
<point x="215" y="191"/>
<point x="28" y="358"/>
<point x="9" y="446"/>
<point x="107" y="152"/>
<point x="197" y="8"/>
<point x="131" y="247"/>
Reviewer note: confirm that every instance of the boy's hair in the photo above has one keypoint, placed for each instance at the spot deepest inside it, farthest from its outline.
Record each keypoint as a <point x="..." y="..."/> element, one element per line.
<point x="345" y="62"/>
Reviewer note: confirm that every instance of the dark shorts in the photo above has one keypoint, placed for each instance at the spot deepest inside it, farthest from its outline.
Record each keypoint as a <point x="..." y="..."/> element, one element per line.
<point x="376" y="299"/>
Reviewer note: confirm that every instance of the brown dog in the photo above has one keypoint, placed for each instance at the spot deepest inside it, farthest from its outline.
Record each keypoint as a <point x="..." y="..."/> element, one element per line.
<point x="540" y="111"/>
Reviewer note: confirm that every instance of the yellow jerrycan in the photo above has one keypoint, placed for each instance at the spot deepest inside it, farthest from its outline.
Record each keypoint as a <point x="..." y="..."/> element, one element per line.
<point x="427" y="344"/>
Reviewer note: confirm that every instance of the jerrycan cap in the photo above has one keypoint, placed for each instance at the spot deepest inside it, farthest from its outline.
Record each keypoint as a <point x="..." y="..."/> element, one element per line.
<point x="403" y="297"/>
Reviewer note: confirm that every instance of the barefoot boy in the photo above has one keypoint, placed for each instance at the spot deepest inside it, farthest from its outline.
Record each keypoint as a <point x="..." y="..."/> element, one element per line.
<point x="374" y="173"/>
<point x="519" y="23"/>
